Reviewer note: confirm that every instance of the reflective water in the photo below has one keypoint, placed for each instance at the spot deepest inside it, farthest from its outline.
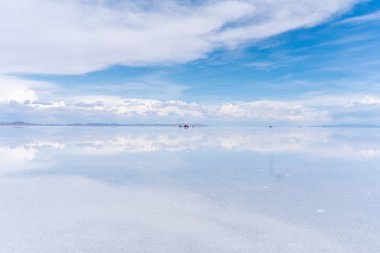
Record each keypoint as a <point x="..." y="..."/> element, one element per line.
<point x="207" y="189"/>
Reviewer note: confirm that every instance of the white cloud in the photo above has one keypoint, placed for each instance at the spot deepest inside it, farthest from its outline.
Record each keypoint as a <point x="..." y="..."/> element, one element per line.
<point x="49" y="105"/>
<point x="12" y="89"/>
<point x="347" y="108"/>
<point x="136" y="106"/>
<point x="316" y="110"/>
<point x="271" y="110"/>
<point x="31" y="152"/>
<point x="77" y="36"/>
<point x="343" y="101"/>
<point x="367" y="100"/>
<point x="32" y="101"/>
<point x="261" y="110"/>
<point x="374" y="16"/>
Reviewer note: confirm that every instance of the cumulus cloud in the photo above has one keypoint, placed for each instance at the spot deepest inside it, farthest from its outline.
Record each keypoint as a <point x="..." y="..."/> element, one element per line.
<point x="318" y="110"/>
<point x="348" y="108"/>
<point x="130" y="107"/>
<point x="367" y="100"/>
<point x="19" y="90"/>
<point x="261" y="110"/>
<point x="28" y="100"/>
<point x="75" y="36"/>
<point x="271" y="110"/>
<point x="16" y="90"/>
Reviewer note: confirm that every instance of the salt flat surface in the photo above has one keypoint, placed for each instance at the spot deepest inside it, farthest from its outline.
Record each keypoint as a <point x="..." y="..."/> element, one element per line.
<point x="83" y="189"/>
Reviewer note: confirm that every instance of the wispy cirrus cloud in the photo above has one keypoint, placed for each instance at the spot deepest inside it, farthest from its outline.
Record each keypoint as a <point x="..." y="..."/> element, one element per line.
<point x="374" y="16"/>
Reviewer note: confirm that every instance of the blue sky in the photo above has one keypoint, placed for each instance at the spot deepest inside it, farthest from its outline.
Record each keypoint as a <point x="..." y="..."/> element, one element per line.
<point x="249" y="61"/>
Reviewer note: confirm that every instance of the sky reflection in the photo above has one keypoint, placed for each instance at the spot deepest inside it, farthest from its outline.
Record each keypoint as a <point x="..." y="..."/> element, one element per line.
<point x="202" y="190"/>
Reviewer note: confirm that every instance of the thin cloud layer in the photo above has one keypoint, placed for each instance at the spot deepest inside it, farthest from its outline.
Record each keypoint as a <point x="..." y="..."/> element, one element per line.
<point x="372" y="17"/>
<point x="72" y="37"/>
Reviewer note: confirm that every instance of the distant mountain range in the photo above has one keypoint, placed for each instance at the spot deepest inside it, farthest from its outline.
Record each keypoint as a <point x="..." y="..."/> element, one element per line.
<point x="348" y="126"/>
<point x="26" y="124"/>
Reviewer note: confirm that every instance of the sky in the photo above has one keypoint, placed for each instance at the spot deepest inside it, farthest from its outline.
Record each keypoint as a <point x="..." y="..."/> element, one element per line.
<point x="254" y="62"/>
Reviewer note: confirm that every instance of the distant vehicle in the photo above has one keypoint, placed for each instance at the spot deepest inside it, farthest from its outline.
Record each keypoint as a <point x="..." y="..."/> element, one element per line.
<point x="186" y="126"/>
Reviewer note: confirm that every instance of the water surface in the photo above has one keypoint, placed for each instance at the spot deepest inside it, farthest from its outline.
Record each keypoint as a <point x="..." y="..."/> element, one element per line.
<point x="130" y="189"/>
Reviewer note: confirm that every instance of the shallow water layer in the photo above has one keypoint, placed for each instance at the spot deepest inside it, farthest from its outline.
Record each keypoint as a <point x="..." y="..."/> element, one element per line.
<point x="130" y="189"/>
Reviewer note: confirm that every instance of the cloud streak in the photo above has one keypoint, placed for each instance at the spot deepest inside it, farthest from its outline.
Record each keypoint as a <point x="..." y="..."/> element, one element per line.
<point x="371" y="17"/>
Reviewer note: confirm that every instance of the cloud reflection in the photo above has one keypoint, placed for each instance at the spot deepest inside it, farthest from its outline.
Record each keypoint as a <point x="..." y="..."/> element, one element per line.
<point x="201" y="190"/>
<point x="315" y="142"/>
